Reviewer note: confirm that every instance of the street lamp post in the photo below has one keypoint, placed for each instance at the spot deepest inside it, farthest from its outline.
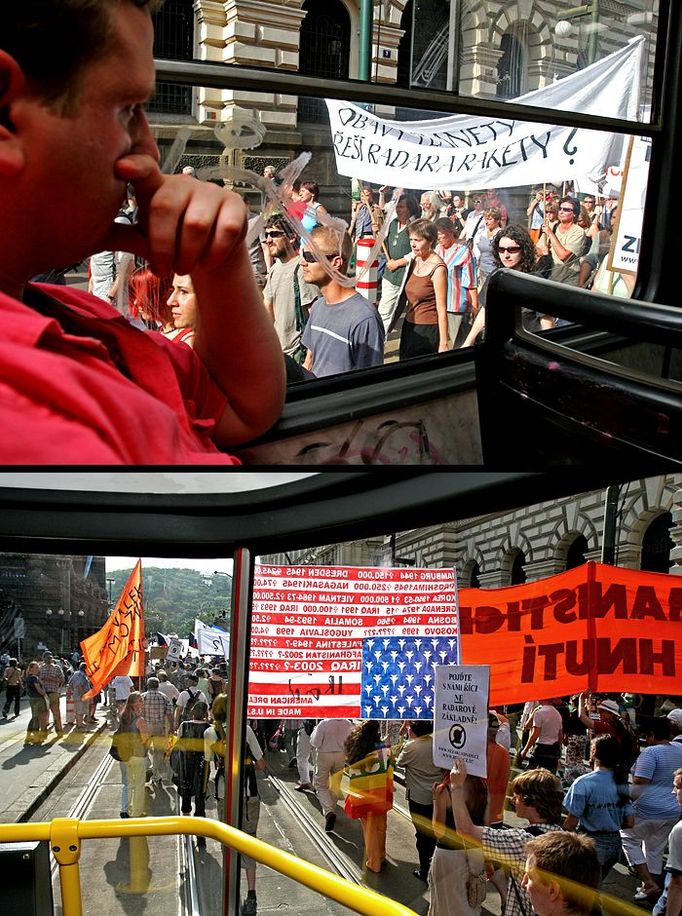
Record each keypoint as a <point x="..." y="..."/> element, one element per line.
<point x="591" y="9"/>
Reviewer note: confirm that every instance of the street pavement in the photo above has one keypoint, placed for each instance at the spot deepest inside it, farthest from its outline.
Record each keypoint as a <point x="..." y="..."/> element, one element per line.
<point x="28" y="774"/>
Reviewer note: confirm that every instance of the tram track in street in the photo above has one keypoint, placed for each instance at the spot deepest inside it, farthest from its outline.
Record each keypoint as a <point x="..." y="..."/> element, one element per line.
<point x="337" y="860"/>
<point x="187" y="890"/>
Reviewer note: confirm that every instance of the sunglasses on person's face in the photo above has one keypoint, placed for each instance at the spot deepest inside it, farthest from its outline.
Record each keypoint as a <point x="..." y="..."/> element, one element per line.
<point x="510" y="249"/>
<point x="273" y="233"/>
<point x="566" y="209"/>
<point x="311" y="258"/>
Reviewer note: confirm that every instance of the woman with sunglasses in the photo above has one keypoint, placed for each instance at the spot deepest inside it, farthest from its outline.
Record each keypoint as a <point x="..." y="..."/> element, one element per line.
<point x="565" y="241"/>
<point x="512" y="248"/>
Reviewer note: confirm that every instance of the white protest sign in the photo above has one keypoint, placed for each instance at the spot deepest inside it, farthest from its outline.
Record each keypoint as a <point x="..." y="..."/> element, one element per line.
<point x="628" y="237"/>
<point x="465" y="151"/>
<point x="174" y="653"/>
<point x="460" y="716"/>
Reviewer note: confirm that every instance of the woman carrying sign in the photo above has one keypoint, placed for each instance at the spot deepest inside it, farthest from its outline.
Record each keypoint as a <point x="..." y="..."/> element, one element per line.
<point x="368" y="783"/>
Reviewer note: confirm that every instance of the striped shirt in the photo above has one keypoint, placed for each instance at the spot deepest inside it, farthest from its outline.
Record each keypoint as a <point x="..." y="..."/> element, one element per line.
<point x="508" y="847"/>
<point x="461" y="275"/>
<point x="657" y="763"/>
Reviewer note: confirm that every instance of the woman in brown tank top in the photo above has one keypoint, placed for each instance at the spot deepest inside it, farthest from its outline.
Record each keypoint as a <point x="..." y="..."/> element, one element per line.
<point x="425" y="329"/>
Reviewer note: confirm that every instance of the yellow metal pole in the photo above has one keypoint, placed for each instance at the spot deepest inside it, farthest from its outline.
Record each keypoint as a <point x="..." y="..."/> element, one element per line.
<point x="66" y="848"/>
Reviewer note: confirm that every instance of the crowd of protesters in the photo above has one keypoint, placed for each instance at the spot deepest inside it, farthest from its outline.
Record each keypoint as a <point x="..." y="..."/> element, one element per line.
<point x="438" y="254"/>
<point x="596" y="780"/>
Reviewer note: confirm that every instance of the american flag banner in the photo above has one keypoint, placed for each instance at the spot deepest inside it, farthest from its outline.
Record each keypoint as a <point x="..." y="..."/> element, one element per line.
<point x="398" y="680"/>
<point x="312" y="624"/>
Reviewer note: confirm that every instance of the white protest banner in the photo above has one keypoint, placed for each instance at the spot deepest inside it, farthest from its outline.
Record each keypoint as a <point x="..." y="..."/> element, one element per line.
<point x="211" y="640"/>
<point x="465" y="151"/>
<point x="460" y="721"/>
<point x="341" y="641"/>
<point x="628" y="235"/>
<point x="174" y="653"/>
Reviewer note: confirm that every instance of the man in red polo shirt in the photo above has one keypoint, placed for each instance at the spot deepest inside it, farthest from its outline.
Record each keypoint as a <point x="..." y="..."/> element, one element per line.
<point x="78" y="384"/>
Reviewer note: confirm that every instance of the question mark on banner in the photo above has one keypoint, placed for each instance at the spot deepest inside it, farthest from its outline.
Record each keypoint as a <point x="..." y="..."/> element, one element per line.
<point x="573" y="150"/>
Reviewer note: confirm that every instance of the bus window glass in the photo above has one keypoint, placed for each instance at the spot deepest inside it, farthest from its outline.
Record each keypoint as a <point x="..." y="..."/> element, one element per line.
<point x="395" y="193"/>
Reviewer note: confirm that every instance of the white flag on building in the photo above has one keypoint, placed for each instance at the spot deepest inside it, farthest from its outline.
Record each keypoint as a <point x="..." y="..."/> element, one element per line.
<point x="464" y="151"/>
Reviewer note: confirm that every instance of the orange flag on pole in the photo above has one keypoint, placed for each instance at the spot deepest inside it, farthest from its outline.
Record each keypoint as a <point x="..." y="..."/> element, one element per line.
<point x="118" y="648"/>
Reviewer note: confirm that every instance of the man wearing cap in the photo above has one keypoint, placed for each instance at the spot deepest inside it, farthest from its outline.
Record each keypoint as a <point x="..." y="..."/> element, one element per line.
<point x="52" y="678"/>
<point x="609" y="721"/>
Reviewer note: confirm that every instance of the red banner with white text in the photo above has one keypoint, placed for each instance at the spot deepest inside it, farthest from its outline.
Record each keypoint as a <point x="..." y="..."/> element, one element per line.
<point x="313" y="626"/>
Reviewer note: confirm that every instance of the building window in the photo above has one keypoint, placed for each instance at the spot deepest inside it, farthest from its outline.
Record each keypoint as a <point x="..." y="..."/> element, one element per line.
<point x="474" y="573"/>
<point x="575" y="555"/>
<point x="511" y="68"/>
<point x="518" y="570"/>
<point x="657" y="544"/>
<point x="173" y="39"/>
<point x="324" y="51"/>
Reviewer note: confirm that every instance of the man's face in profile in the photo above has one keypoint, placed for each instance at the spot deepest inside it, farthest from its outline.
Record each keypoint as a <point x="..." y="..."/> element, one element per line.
<point x="72" y="170"/>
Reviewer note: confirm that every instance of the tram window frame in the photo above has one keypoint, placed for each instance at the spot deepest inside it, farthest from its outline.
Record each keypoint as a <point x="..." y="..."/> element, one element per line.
<point x="666" y="85"/>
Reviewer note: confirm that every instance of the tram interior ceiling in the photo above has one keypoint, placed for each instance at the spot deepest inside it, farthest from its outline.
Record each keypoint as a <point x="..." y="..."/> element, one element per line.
<point x="323" y="508"/>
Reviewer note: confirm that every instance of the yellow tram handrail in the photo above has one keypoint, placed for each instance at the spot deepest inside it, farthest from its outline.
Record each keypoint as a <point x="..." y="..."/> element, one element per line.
<point x="65" y="835"/>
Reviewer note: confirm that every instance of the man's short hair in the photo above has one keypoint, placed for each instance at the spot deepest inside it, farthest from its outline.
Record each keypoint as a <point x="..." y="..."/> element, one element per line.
<point x="422" y="727"/>
<point x="162" y="675"/>
<point x="571" y="860"/>
<point x="333" y="244"/>
<point x="279" y="221"/>
<point x="541" y="790"/>
<point x="54" y="42"/>
<point x="152" y="682"/>
<point x="192" y="677"/>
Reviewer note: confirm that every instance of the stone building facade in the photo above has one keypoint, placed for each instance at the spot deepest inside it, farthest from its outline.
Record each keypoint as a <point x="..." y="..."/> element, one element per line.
<point x="482" y="48"/>
<point x="536" y="541"/>
<point x="52" y="601"/>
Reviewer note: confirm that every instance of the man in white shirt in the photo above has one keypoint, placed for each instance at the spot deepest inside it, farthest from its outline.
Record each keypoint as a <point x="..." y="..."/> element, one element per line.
<point x="545" y="738"/>
<point x="188" y="698"/>
<point x="122" y="686"/>
<point x="167" y="689"/>
<point x="328" y="738"/>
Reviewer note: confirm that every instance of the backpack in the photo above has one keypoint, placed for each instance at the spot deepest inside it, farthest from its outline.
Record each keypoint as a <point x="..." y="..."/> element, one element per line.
<point x="188" y="711"/>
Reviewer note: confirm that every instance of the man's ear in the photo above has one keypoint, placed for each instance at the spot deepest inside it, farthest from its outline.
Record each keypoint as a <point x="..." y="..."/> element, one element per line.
<point x="554" y="889"/>
<point x="12" y="87"/>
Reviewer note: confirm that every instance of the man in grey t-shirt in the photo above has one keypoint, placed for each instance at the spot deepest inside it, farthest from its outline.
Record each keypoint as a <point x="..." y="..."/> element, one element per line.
<point x="344" y="330"/>
<point x="280" y="288"/>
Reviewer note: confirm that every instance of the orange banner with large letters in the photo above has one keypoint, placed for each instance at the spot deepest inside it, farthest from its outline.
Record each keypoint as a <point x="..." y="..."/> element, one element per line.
<point x="118" y="647"/>
<point x="603" y="627"/>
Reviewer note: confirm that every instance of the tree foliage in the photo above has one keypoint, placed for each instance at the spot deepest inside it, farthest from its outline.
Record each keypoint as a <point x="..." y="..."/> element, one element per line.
<point x="174" y="597"/>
